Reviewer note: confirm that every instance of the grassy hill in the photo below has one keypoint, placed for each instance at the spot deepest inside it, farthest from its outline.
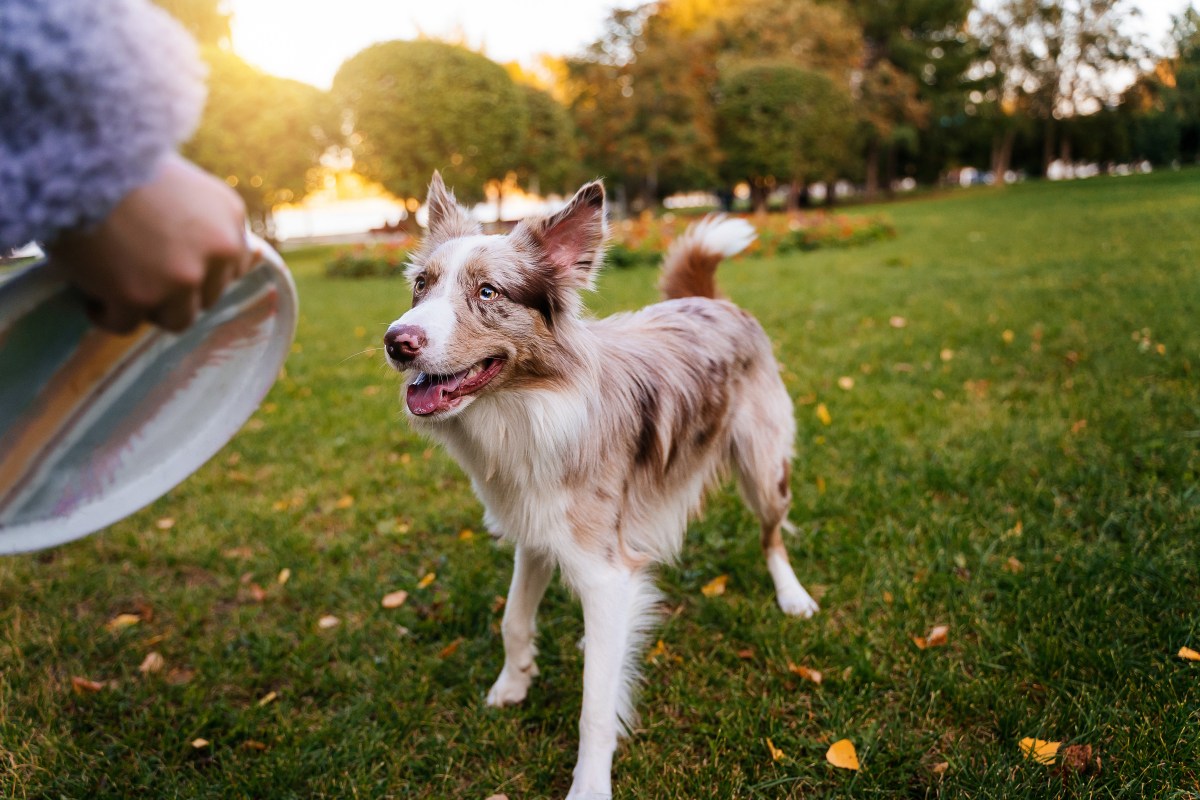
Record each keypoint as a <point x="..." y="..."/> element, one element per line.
<point x="999" y="425"/>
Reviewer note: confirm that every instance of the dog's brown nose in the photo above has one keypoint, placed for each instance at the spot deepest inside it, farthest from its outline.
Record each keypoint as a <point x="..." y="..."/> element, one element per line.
<point x="404" y="342"/>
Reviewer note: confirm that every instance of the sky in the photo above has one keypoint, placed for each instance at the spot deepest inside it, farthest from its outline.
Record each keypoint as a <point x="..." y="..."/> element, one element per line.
<point x="309" y="39"/>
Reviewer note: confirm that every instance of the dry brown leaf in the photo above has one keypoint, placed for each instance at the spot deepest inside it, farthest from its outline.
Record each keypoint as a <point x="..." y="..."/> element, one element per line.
<point x="153" y="662"/>
<point x="85" y="685"/>
<point x="394" y="599"/>
<point x="428" y="579"/>
<point x="937" y="637"/>
<point x="897" y="322"/>
<point x="1189" y="654"/>
<point x="776" y="753"/>
<point x="269" y="697"/>
<point x="257" y="593"/>
<point x="199" y="743"/>
<point x="239" y="552"/>
<point x="715" y="587"/>
<point x="940" y="768"/>
<point x="845" y="382"/>
<point x="805" y="672"/>
<point x="180" y="676"/>
<point x="121" y="621"/>
<point x="253" y="744"/>
<point x="1078" y="758"/>
<point x="165" y="524"/>
<point x="842" y="754"/>
<point x="466" y="535"/>
<point x="1039" y="750"/>
<point x="449" y="649"/>
<point x="1014" y="566"/>
<point x="285" y="575"/>
<point x="888" y="598"/>
<point x="328" y="621"/>
<point x="746" y="654"/>
<point x="498" y="603"/>
<point x="1008" y="336"/>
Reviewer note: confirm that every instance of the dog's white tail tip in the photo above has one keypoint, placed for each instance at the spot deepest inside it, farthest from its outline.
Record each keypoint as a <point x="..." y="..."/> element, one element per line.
<point x="724" y="236"/>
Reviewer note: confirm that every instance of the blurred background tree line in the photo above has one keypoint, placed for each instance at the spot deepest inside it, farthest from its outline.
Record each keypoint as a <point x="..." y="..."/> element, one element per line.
<point x="682" y="95"/>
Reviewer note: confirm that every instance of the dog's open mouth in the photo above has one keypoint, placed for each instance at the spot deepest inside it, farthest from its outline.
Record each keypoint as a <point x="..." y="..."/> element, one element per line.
<point x="429" y="394"/>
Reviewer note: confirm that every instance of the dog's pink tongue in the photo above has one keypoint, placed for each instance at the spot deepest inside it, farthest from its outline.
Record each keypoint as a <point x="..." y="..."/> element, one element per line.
<point x="430" y="395"/>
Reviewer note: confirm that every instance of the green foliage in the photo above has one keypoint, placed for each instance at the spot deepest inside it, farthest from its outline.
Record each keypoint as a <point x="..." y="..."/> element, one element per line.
<point x="262" y="133"/>
<point x="778" y="124"/>
<point x="549" y="157"/>
<point x="378" y="261"/>
<point x="423" y="106"/>
<point x="1073" y="424"/>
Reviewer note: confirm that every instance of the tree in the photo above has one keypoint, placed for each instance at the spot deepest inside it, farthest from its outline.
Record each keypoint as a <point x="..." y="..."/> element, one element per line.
<point x="1184" y="91"/>
<point x="781" y="124"/>
<point x="424" y="105"/>
<point x="204" y="19"/>
<point x="261" y="133"/>
<point x="549" y="159"/>
<point x="1052" y="57"/>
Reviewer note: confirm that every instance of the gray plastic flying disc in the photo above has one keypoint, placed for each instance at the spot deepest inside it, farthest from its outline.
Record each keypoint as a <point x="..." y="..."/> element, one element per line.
<point x="93" y="426"/>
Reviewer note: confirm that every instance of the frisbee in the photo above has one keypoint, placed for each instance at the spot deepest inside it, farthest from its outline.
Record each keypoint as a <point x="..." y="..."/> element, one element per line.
<point x="94" y="426"/>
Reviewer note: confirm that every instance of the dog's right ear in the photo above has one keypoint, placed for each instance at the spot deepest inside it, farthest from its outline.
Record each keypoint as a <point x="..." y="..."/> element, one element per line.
<point x="447" y="219"/>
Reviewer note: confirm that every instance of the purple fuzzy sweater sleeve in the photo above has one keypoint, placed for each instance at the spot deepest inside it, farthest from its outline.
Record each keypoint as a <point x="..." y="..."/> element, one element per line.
<point x="93" y="93"/>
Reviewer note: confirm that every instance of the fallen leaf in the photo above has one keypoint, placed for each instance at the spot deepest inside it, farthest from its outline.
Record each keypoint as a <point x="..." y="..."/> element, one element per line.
<point x="820" y="485"/>
<point x="239" y="552"/>
<point x="498" y="797"/>
<point x="257" y="593"/>
<point x="1189" y="654"/>
<point x="1014" y="566"/>
<point x="428" y="579"/>
<point x="715" y="587"/>
<point x="656" y="652"/>
<point x="345" y="501"/>
<point x="199" y="744"/>
<point x="1008" y="336"/>
<point x="85" y="685"/>
<point x="897" y="322"/>
<point x="936" y="638"/>
<point x="449" y="649"/>
<point x="360" y="331"/>
<point x="888" y="598"/>
<point x="1078" y="758"/>
<point x="269" y="697"/>
<point x="1039" y="750"/>
<point x="823" y="414"/>
<point x="466" y="535"/>
<point x="1078" y="425"/>
<point x="808" y="674"/>
<point x="153" y="662"/>
<point x="947" y="354"/>
<point x="940" y="768"/>
<point x="285" y="575"/>
<point x="394" y="599"/>
<point x="776" y="753"/>
<point x="498" y="603"/>
<point x="746" y="654"/>
<point x="121" y="621"/>
<point x="180" y="675"/>
<point x="165" y="524"/>
<point x="842" y="754"/>
<point x="253" y="744"/>
<point x="328" y="621"/>
<point x="845" y="382"/>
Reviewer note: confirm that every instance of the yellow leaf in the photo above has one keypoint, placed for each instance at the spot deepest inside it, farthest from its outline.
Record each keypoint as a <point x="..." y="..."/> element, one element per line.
<point x="845" y="382"/>
<point x="428" y="579"/>
<point x="360" y="331"/>
<point x="268" y="698"/>
<point x="1008" y="336"/>
<point x="776" y="753"/>
<point x="122" y="621"/>
<point x="466" y="535"/>
<point x="823" y="414"/>
<point x="1189" y="654"/>
<point x="888" y="598"/>
<point x="1040" y="751"/>
<point x="820" y="485"/>
<point x="656" y="652"/>
<point x="936" y="638"/>
<point x="165" y="524"/>
<point x="345" y="501"/>
<point x="279" y="505"/>
<point x="805" y="672"/>
<point x="842" y="754"/>
<point x="715" y="587"/>
<point x="394" y="599"/>
<point x="328" y="621"/>
<point x="153" y="662"/>
<point x="285" y="575"/>
<point x="199" y="744"/>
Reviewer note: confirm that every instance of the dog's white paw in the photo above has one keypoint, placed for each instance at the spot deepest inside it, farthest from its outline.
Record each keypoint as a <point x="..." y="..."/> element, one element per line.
<point x="574" y="795"/>
<point x="798" y="603"/>
<point x="512" y="686"/>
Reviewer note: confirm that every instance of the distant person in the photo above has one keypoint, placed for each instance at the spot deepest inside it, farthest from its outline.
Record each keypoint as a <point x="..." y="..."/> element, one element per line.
<point x="95" y="99"/>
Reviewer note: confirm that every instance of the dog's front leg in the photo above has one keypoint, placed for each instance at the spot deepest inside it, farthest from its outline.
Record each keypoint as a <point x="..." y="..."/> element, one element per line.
<point x="617" y="606"/>
<point x="531" y="575"/>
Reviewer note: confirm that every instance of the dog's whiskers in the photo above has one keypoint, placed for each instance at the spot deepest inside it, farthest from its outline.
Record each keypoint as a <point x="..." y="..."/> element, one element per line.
<point x="360" y="353"/>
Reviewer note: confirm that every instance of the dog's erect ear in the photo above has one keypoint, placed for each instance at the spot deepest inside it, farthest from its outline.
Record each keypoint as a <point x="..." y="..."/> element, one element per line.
<point x="571" y="240"/>
<point x="447" y="219"/>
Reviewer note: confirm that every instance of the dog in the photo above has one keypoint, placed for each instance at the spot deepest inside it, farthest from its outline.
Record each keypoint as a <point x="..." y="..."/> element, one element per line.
<point x="590" y="442"/>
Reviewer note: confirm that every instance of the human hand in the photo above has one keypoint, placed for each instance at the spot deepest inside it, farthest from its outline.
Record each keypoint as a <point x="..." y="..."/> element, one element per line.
<point x="167" y="250"/>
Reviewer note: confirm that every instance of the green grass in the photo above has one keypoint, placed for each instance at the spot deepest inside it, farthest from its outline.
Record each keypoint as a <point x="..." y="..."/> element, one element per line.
<point x="1069" y="445"/>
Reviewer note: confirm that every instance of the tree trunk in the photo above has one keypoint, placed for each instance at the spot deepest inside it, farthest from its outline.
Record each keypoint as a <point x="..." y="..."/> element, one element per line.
<point x="872" y="170"/>
<point x="795" y="190"/>
<point x="890" y="171"/>
<point x="1002" y="146"/>
<point x="1048" y="145"/>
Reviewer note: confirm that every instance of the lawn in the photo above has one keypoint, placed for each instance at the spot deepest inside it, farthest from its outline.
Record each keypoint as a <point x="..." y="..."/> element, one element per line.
<point x="999" y="425"/>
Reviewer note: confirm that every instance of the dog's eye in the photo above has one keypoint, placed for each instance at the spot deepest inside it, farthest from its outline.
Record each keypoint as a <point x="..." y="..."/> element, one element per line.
<point x="488" y="292"/>
<point x="419" y="284"/>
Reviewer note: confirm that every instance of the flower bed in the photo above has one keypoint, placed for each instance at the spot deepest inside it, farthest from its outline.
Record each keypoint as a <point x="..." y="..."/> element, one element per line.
<point x="370" y="261"/>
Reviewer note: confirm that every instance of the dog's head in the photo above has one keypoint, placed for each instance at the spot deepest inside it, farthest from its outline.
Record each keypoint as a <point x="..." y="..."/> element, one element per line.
<point x="488" y="311"/>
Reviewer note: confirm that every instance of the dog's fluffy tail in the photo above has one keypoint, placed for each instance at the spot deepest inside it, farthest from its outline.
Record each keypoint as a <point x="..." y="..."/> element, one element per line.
<point x="690" y="266"/>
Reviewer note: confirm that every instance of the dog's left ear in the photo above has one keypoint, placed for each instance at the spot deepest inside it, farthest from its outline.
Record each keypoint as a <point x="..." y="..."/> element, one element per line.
<point x="571" y="240"/>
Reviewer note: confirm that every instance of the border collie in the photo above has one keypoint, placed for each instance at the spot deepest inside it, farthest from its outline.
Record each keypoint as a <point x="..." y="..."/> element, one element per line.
<point x="589" y="441"/>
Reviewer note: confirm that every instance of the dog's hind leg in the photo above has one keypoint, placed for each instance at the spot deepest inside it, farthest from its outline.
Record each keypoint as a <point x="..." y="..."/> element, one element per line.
<point x="531" y="575"/>
<point x="762" y="458"/>
<point x="618" y="608"/>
